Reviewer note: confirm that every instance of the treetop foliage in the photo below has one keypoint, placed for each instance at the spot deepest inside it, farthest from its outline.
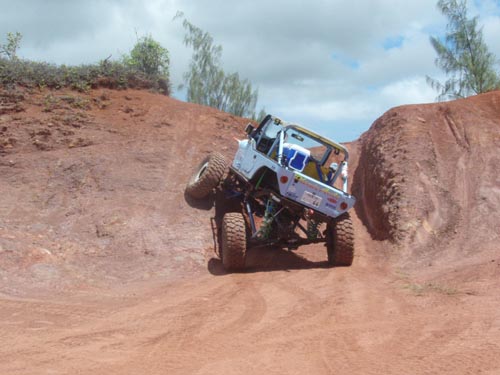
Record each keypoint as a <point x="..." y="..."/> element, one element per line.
<point x="149" y="57"/>
<point x="207" y="83"/>
<point x="10" y="48"/>
<point x="462" y="55"/>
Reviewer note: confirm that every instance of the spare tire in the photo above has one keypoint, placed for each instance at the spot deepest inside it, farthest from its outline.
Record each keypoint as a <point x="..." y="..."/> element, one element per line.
<point x="340" y="241"/>
<point x="207" y="176"/>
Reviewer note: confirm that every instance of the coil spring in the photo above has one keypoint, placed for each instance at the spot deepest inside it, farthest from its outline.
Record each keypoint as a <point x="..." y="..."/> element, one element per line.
<point x="265" y="228"/>
<point x="312" y="229"/>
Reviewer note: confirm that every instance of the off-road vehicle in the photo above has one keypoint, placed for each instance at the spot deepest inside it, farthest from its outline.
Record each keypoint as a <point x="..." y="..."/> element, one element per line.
<point x="290" y="189"/>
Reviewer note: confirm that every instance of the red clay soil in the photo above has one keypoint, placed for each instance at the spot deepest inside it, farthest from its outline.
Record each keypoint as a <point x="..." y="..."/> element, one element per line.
<point x="106" y="268"/>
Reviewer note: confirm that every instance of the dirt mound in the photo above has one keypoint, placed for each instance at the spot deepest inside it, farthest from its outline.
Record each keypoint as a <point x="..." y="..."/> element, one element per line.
<point x="429" y="176"/>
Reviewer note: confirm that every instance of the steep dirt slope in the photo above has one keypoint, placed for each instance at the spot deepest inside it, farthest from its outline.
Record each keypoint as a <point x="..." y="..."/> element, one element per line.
<point x="431" y="179"/>
<point x="92" y="186"/>
<point x="106" y="269"/>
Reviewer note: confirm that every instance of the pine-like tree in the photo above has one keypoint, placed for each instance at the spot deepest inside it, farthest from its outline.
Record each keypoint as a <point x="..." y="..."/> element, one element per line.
<point x="462" y="55"/>
<point x="206" y="81"/>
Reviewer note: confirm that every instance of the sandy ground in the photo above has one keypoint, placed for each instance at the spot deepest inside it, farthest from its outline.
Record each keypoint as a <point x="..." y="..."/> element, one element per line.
<point x="105" y="268"/>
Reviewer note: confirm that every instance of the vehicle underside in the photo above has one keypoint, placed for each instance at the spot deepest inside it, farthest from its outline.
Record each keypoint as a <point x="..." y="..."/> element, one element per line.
<point x="271" y="218"/>
<point x="286" y="187"/>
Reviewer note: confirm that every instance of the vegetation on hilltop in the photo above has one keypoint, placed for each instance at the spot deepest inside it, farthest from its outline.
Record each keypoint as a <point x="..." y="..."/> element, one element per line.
<point x="146" y="67"/>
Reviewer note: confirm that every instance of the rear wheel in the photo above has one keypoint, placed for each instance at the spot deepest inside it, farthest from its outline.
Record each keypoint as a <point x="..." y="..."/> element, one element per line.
<point x="340" y="241"/>
<point x="233" y="241"/>
<point x="207" y="176"/>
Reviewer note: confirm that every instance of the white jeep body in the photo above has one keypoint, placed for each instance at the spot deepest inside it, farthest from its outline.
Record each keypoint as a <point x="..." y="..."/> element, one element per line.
<point x="289" y="162"/>
<point x="286" y="187"/>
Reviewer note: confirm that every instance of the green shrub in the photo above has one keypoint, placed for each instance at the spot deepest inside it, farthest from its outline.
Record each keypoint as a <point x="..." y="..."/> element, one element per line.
<point x="149" y="57"/>
<point x="145" y="68"/>
<point x="114" y="75"/>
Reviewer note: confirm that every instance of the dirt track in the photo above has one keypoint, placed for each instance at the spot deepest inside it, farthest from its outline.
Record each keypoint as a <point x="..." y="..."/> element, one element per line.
<point x="105" y="268"/>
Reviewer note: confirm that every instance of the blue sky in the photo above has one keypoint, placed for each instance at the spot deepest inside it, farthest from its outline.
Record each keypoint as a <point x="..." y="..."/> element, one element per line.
<point x="393" y="42"/>
<point x="333" y="65"/>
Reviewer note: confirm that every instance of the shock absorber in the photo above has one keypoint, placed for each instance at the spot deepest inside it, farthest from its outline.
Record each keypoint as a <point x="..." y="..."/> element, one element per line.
<point x="312" y="225"/>
<point x="265" y="228"/>
<point x="312" y="229"/>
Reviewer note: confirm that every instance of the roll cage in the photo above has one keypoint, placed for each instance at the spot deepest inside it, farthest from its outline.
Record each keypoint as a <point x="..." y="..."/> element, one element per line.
<point x="274" y="137"/>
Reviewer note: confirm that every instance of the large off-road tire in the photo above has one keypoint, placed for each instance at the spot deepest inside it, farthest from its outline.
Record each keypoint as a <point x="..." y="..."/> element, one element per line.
<point x="233" y="241"/>
<point x="207" y="176"/>
<point x="340" y="241"/>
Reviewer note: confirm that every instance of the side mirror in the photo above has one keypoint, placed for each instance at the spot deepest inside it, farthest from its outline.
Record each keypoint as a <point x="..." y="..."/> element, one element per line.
<point x="249" y="129"/>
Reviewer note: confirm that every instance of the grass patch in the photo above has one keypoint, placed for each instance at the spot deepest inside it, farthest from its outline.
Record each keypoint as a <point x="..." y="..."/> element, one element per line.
<point x="420" y="289"/>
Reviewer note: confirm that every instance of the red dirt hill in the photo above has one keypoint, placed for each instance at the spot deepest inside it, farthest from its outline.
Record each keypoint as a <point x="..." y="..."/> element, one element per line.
<point x="105" y="268"/>
<point x="92" y="185"/>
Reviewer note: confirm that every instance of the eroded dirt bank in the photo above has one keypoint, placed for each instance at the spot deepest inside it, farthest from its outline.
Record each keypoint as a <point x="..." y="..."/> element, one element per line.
<point x="430" y="181"/>
<point x="106" y="269"/>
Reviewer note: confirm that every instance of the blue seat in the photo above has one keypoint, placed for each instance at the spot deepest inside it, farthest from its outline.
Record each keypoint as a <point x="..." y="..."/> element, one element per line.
<point x="296" y="156"/>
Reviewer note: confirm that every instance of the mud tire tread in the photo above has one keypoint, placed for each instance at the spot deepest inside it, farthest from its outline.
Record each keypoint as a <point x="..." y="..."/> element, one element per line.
<point x="340" y="242"/>
<point x="233" y="244"/>
<point x="200" y="186"/>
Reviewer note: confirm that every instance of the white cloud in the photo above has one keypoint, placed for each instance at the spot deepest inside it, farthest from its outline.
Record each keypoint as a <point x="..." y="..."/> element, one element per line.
<point x="491" y="31"/>
<point x="286" y="48"/>
<point x="407" y="91"/>
<point x="335" y="110"/>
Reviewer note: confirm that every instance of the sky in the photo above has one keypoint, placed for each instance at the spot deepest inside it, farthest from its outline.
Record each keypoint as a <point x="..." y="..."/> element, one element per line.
<point x="332" y="65"/>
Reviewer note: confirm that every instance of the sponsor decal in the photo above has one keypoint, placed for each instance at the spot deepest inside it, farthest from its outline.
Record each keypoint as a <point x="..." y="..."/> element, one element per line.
<point x="317" y="188"/>
<point x="308" y="184"/>
<point x="331" y="206"/>
<point x="332" y="200"/>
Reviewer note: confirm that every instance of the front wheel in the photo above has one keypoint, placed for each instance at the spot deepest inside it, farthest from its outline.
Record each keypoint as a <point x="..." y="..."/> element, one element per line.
<point x="233" y="241"/>
<point x="207" y="176"/>
<point x="340" y="241"/>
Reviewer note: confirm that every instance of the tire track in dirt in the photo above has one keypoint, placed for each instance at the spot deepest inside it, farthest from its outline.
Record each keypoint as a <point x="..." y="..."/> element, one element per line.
<point x="342" y="320"/>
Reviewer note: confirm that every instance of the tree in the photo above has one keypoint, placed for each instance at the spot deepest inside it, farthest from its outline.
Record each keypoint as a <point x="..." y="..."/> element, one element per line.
<point x="206" y="81"/>
<point x="462" y="55"/>
<point x="10" y="48"/>
<point x="149" y="57"/>
<point x="260" y="116"/>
